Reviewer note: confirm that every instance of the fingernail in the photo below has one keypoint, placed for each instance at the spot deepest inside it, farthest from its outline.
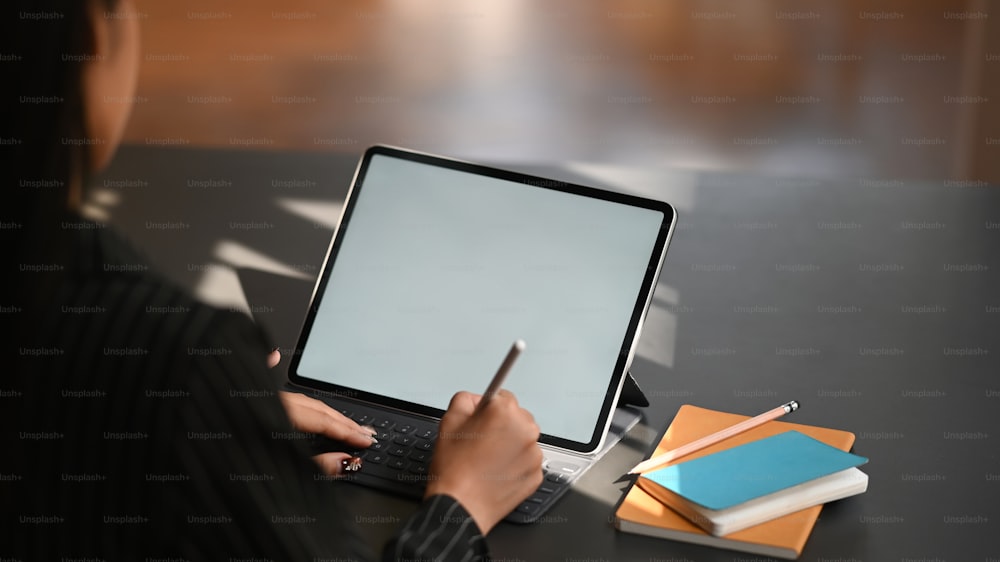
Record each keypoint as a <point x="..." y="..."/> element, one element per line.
<point x="352" y="464"/>
<point x="369" y="432"/>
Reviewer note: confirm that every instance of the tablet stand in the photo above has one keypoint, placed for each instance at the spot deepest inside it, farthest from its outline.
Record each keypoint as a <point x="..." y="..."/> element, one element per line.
<point x="626" y="415"/>
<point x="631" y="394"/>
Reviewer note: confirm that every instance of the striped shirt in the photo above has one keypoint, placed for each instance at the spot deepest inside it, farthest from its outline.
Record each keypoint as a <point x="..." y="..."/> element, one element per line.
<point x="141" y="424"/>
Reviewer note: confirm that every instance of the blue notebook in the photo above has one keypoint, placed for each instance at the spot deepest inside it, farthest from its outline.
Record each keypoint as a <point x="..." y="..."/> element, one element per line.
<point x="752" y="470"/>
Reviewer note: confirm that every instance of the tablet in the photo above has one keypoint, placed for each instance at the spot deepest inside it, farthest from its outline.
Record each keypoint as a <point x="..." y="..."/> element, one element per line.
<point x="438" y="265"/>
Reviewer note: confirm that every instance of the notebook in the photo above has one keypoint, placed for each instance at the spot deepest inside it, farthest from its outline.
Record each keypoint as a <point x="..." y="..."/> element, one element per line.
<point x="438" y="265"/>
<point x="784" y="537"/>
<point x="753" y="483"/>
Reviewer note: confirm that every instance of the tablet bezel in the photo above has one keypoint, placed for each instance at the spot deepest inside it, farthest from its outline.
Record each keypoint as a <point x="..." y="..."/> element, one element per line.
<point x="629" y="342"/>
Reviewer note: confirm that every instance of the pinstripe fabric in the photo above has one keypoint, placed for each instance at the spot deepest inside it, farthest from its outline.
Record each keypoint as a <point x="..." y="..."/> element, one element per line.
<point x="441" y="530"/>
<point x="143" y="425"/>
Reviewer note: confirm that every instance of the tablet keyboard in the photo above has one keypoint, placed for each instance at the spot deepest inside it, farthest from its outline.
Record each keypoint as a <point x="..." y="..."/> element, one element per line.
<point x="399" y="462"/>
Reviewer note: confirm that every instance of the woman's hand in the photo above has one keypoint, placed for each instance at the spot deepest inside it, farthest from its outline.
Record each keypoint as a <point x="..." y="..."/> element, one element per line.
<point x="490" y="460"/>
<point x="314" y="416"/>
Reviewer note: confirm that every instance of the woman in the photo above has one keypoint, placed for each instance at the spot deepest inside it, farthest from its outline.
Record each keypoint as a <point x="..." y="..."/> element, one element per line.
<point x="127" y="434"/>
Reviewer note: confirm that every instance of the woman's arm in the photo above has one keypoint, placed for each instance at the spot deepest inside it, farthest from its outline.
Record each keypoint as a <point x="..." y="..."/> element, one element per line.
<point x="484" y="464"/>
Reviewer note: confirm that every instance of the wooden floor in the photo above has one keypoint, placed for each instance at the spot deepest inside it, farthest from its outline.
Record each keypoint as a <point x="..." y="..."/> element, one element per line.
<point x="831" y="88"/>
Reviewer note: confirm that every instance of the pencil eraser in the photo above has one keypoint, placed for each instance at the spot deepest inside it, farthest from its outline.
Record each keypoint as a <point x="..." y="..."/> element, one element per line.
<point x="519" y="344"/>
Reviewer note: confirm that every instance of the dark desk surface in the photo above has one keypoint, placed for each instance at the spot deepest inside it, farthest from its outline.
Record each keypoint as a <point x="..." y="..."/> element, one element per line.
<point x="874" y="303"/>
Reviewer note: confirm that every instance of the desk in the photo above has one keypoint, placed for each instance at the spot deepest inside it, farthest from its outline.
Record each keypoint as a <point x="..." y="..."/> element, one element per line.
<point x="875" y="303"/>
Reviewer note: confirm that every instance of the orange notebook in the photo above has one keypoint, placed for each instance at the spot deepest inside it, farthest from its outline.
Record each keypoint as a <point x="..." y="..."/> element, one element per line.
<point x="784" y="537"/>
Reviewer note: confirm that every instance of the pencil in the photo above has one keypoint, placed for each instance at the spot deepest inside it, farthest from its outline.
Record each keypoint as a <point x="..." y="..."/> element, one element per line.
<point x="497" y="382"/>
<point x="698" y="444"/>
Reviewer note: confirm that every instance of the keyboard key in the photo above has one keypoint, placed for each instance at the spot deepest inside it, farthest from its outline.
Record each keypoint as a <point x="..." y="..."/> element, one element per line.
<point x="418" y="468"/>
<point x="424" y="446"/>
<point x="376" y="446"/>
<point x="397" y="451"/>
<point x="398" y="464"/>
<point x="407" y="428"/>
<point x="426" y="433"/>
<point x="385" y="424"/>
<point x="528" y="508"/>
<point x="347" y="413"/>
<point x="562" y="467"/>
<point x="404" y="440"/>
<point x="420" y="456"/>
<point x="558" y="478"/>
<point x="545" y="489"/>
<point x="375" y="457"/>
<point x="377" y="471"/>
<point x="362" y="419"/>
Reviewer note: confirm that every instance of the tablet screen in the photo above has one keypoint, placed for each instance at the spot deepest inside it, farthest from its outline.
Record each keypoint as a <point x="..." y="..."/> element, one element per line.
<point x="435" y="271"/>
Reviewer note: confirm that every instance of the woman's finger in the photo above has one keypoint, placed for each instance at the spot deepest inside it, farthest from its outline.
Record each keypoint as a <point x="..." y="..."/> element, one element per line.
<point x="337" y="464"/>
<point x="273" y="359"/>
<point x="313" y="416"/>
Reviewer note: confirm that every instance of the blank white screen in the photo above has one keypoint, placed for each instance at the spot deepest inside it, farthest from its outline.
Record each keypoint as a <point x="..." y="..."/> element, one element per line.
<point x="439" y="271"/>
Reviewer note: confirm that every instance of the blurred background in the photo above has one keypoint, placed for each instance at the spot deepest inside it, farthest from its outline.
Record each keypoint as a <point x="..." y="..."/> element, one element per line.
<point x="889" y="90"/>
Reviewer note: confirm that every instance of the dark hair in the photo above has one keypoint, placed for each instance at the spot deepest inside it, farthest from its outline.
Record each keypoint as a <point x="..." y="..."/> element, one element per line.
<point x="43" y="102"/>
<point x="43" y="44"/>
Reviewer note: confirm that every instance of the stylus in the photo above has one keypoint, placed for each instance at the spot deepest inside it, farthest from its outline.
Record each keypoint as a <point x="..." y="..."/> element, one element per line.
<point x="697" y="445"/>
<point x="497" y="382"/>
